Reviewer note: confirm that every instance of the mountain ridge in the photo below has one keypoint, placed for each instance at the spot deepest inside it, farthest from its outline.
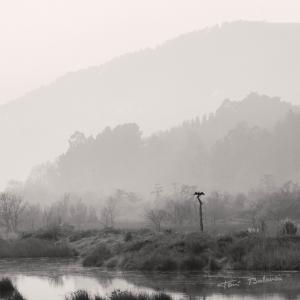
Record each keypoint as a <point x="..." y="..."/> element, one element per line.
<point x="225" y="151"/>
<point x="156" y="88"/>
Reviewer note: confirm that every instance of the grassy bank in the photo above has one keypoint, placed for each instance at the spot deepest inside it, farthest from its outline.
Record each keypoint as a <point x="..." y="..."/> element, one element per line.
<point x="170" y="251"/>
<point x="267" y="254"/>
<point x="146" y="250"/>
<point x="34" y="248"/>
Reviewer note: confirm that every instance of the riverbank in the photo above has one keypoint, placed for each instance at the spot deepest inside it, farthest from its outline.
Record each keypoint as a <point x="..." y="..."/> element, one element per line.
<point x="34" y="248"/>
<point x="172" y="251"/>
<point x="9" y="291"/>
<point x="146" y="250"/>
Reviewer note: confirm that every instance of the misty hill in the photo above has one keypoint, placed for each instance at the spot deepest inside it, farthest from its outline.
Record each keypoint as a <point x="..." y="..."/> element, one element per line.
<point x="120" y="158"/>
<point x="255" y="110"/>
<point x="155" y="88"/>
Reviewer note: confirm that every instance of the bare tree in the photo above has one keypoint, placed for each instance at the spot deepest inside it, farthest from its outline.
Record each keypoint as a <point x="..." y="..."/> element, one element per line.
<point x="48" y="217"/>
<point x="78" y="213"/>
<point x="216" y="207"/>
<point x="5" y="211"/>
<point x="108" y="212"/>
<point x="33" y="216"/>
<point x="178" y="205"/>
<point x="178" y="212"/>
<point x="255" y="209"/>
<point x="156" y="217"/>
<point x="11" y="209"/>
<point x="157" y="191"/>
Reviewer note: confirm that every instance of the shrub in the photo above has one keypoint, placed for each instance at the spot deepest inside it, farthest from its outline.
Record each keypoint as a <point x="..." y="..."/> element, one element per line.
<point x="148" y="264"/>
<point x="197" y="243"/>
<point x="161" y="296"/>
<point x="34" y="248"/>
<point x="197" y="247"/>
<point x="8" y="291"/>
<point x="112" y="263"/>
<point x="224" y="243"/>
<point x="111" y="230"/>
<point x="128" y="237"/>
<point x="83" y="295"/>
<point x="53" y="233"/>
<point x="226" y="239"/>
<point x="237" y="252"/>
<point x="193" y="263"/>
<point x="136" y="246"/>
<point x="16" y="296"/>
<point x="278" y="254"/>
<point x="213" y="265"/>
<point x="78" y="235"/>
<point x="242" y="234"/>
<point x="6" y="287"/>
<point x="241" y="247"/>
<point x="117" y="295"/>
<point x="289" y="228"/>
<point x="97" y="257"/>
<point x="167" y="264"/>
<point x="125" y="295"/>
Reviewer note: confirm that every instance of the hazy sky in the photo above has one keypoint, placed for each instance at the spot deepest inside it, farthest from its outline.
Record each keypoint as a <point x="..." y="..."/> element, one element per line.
<point x="43" y="39"/>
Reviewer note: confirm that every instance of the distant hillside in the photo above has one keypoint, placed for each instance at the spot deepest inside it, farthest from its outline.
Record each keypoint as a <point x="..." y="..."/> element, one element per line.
<point x="255" y="110"/>
<point x="156" y="88"/>
<point x="242" y="150"/>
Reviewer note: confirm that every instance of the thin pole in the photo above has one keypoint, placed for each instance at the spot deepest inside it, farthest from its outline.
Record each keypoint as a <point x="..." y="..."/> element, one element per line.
<point x="200" y="215"/>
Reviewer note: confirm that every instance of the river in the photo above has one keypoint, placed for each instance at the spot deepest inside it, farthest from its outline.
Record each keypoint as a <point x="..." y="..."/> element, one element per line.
<point x="45" y="279"/>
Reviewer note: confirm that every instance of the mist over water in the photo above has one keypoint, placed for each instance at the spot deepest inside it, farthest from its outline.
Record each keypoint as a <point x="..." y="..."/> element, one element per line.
<point x="63" y="277"/>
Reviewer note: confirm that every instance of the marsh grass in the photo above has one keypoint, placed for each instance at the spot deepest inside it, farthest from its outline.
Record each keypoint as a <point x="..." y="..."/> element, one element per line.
<point x="118" y="295"/>
<point x="34" y="248"/>
<point x="194" y="263"/>
<point x="278" y="254"/>
<point x="171" y="251"/>
<point x="8" y="291"/>
<point x="82" y="295"/>
<point x="6" y="286"/>
<point x="97" y="257"/>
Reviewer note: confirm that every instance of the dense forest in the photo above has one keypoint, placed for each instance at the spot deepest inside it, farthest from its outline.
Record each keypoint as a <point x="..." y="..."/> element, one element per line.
<point x="156" y="88"/>
<point x="231" y="150"/>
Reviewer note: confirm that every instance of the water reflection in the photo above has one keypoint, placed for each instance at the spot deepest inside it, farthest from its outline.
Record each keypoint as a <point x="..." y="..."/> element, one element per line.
<point x="56" y="281"/>
<point x="53" y="279"/>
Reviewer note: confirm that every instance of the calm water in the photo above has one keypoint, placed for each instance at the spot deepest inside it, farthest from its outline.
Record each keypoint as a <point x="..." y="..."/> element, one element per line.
<point x="45" y="279"/>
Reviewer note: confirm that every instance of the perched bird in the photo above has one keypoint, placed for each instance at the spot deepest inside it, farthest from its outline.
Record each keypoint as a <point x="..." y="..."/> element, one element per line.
<point x="199" y="194"/>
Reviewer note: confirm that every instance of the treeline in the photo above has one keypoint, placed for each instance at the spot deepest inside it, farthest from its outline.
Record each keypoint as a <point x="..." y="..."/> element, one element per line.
<point x="266" y="209"/>
<point x="170" y="207"/>
<point x="225" y="151"/>
<point x="105" y="180"/>
<point x="71" y="210"/>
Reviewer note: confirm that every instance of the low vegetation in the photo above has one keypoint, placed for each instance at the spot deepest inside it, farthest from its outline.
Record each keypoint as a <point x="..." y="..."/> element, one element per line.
<point x="8" y="290"/>
<point x="118" y="295"/>
<point x="171" y="251"/>
<point x="164" y="251"/>
<point x="34" y="248"/>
